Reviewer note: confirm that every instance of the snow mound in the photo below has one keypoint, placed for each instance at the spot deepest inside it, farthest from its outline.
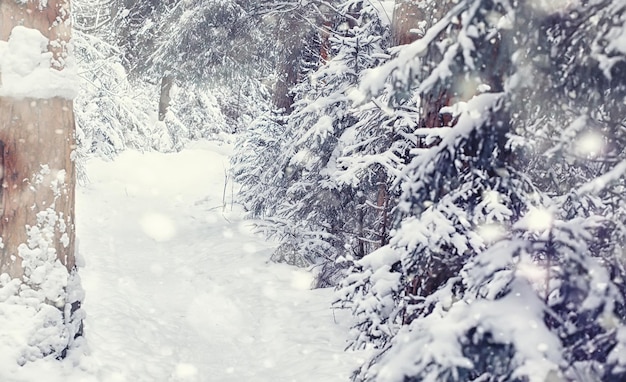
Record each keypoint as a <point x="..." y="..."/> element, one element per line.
<point x="27" y="71"/>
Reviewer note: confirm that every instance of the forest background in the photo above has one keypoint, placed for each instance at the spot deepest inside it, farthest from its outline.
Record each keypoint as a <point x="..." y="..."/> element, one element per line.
<point x="455" y="169"/>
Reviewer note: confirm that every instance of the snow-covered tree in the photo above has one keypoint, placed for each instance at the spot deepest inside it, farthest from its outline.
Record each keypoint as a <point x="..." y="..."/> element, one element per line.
<point x="499" y="270"/>
<point x="576" y="145"/>
<point x="118" y="106"/>
<point x="190" y="44"/>
<point x="317" y="216"/>
<point x="111" y="115"/>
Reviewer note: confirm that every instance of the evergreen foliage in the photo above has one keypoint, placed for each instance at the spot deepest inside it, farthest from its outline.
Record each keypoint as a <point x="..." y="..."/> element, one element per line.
<point x="505" y="268"/>
<point x="108" y="118"/>
<point x="124" y="48"/>
<point x="316" y="216"/>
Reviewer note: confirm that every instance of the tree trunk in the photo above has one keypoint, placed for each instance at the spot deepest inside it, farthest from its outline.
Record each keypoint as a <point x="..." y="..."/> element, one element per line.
<point x="289" y="64"/>
<point x="325" y="46"/>
<point x="36" y="137"/>
<point x="165" y="98"/>
<point x="411" y="19"/>
<point x="408" y="23"/>
<point x="37" y="173"/>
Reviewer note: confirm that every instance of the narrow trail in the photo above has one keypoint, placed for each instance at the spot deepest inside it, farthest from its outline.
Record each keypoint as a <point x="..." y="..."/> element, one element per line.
<point x="178" y="290"/>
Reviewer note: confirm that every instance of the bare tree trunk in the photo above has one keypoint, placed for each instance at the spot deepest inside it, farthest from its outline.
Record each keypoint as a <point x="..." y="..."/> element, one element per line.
<point x="411" y="19"/>
<point x="289" y="65"/>
<point x="408" y="21"/>
<point x="36" y="134"/>
<point x="165" y="97"/>
<point x="36" y="137"/>
<point x="325" y="46"/>
<point x="382" y="203"/>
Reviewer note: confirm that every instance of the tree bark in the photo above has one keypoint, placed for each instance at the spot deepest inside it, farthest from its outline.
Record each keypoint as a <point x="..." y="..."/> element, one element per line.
<point x="289" y="36"/>
<point x="411" y="19"/>
<point x="35" y="134"/>
<point x="165" y="97"/>
<point x="36" y="142"/>
<point x="325" y="46"/>
<point x="407" y="18"/>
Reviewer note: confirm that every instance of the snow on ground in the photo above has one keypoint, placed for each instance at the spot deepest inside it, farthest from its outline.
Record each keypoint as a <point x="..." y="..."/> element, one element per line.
<point x="179" y="290"/>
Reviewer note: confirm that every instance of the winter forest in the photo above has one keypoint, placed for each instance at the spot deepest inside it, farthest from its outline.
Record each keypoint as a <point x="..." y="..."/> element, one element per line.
<point x="313" y="190"/>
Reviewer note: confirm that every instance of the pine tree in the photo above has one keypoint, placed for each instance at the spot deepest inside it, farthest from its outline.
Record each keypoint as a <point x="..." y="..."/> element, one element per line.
<point x="496" y="272"/>
<point x="317" y="215"/>
<point x="111" y="115"/>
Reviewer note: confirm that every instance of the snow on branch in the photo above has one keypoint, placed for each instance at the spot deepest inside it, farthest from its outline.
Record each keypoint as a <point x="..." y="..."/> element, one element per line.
<point x="598" y="184"/>
<point x="375" y="79"/>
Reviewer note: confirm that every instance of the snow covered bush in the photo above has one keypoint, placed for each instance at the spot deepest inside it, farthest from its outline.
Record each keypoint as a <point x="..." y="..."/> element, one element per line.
<point x="111" y="114"/>
<point x="194" y="113"/>
<point x="242" y="104"/>
<point x="255" y="167"/>
<point x="41" y="314"/>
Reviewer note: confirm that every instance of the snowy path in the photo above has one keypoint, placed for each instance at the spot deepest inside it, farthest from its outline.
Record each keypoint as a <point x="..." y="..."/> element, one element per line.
<point x="176" y="292"/>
